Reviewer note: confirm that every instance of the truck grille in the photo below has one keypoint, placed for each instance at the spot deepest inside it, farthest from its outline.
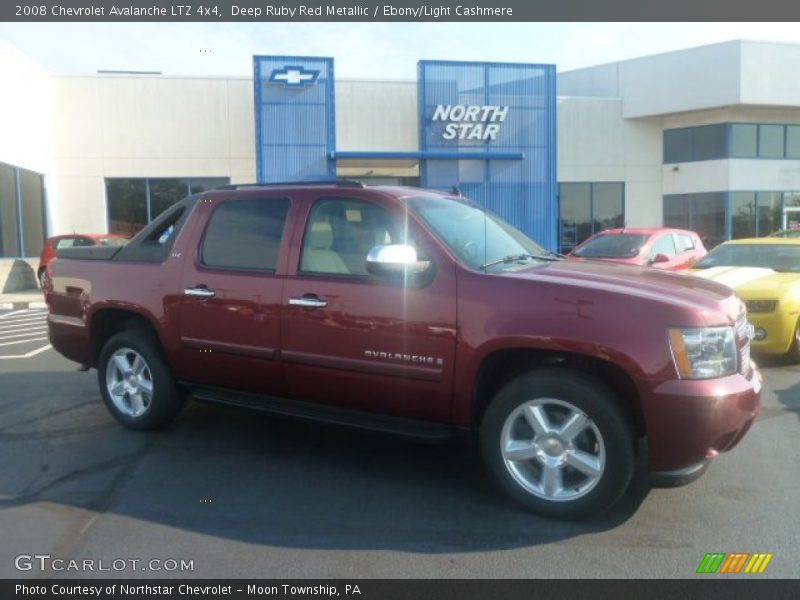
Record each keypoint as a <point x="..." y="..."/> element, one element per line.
<point x="744" y="335"/>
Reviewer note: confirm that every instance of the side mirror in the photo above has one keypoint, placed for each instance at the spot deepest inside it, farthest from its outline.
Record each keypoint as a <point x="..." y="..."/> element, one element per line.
<point x="395" y="260"/>
<point x="660" y="258"/>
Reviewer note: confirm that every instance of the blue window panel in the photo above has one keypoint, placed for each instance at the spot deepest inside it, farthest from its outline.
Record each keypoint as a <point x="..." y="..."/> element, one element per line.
<point x="523" y="192"/>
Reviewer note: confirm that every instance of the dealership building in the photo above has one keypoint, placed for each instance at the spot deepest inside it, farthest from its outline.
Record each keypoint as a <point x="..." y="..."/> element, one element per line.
<point x="706" y="138"/>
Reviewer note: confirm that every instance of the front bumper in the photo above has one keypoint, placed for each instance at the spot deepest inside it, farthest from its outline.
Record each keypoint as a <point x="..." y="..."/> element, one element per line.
<point x="690" y="421"/>
<point x="779" y="327"/>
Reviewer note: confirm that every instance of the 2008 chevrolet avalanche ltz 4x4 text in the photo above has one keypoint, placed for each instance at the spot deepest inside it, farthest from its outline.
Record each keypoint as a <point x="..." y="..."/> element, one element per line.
<point x="414" y="312"/>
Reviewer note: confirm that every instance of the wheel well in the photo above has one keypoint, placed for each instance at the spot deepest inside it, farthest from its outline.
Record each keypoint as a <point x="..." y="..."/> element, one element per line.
<point x="502" y="366"/>
<point x="110" y="321"/>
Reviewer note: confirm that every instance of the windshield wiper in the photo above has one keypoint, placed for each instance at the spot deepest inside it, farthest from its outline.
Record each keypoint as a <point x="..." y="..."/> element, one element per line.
<point x="518" y="257"/>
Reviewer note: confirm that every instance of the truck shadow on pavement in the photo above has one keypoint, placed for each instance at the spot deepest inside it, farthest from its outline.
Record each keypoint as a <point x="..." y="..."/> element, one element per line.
<point x="260" y="479"/>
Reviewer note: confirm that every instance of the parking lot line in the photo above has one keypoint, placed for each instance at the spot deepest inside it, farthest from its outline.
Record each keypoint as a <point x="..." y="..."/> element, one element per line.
<point x="38" y="339"/>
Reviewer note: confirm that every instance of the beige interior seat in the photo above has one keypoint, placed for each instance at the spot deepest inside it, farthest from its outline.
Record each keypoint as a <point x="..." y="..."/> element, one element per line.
<point x="317" y="254"/>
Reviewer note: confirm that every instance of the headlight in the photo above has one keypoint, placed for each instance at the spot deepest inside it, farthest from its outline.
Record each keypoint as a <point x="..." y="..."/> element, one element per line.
<point x="761" y="306"/>
<point x="703" y="352"/>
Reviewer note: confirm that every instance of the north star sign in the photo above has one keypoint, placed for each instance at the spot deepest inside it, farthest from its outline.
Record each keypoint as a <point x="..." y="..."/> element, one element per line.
<point x="465" y="122"/>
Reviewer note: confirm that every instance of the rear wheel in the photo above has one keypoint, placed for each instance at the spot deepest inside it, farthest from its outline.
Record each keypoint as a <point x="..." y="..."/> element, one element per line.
<point x="557" y="442"/>
<point x="136" y="383"/>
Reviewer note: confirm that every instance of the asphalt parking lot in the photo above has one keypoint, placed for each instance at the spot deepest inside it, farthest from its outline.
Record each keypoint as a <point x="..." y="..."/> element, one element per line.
<point x="247" y="495"/>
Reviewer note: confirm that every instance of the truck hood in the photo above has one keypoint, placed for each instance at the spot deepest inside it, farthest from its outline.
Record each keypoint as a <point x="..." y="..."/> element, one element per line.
<point x="644" y="282"/>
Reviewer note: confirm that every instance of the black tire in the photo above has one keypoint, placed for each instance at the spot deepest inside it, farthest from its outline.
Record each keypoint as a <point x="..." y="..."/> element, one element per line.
<point x="165" y="400"/>
<point x="566" y="393"/>
<point x="793" y="356"/>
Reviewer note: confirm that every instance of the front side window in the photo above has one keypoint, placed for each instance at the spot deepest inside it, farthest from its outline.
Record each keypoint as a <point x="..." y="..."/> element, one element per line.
<point x="475" y="236"/>
<point x="245" y="234"/>
<point x="341" y="232"/>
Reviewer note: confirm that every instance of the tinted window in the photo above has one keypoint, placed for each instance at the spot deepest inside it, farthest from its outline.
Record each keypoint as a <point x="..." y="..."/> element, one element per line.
<point x="340" y="234"/>
<point x="676" y="211"/>
<point x="245" y="234"/>
<point x="770" y="141"/>
<point x="677" y="145"/>
<point x="743" y="214"/>
<point x="792" y="141"/>
<point x="575" y="200"/>
<point x="744" y="140"/>
<point x="664" y="244"/>
<point x="613" y="245"/>
<point x="709" y="142"/>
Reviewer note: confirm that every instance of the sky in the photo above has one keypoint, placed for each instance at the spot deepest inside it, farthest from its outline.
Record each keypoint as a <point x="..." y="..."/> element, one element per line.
<point x="360" y="50"/>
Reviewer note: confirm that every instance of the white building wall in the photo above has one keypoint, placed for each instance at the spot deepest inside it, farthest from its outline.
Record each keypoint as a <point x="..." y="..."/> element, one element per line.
<point x="596" y="144"/>
<point x="144" y="126"/>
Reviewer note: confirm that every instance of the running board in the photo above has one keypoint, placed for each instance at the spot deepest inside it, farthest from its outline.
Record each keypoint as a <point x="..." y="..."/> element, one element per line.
<point x="296" y="409"/>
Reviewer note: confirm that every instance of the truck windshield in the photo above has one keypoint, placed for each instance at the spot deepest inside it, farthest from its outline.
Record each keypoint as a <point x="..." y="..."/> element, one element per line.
<point x="483" y="241"/>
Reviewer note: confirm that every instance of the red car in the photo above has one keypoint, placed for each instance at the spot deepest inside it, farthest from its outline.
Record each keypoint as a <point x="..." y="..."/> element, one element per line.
<point x="418" y="313"/>
<point x="662" y="248"/>
<point x="74" y="240"/>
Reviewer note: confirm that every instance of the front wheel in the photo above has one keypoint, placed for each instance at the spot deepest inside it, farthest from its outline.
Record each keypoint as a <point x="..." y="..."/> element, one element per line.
<point x="136" y="384"/>
<point x="556" y="441"/>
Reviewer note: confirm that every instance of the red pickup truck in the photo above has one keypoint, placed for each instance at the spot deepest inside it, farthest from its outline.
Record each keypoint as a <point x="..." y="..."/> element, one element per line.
<point x="413" y="312"/>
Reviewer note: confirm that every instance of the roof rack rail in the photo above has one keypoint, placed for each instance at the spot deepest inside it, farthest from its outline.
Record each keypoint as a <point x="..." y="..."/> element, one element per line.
<point x="350" y="183"/>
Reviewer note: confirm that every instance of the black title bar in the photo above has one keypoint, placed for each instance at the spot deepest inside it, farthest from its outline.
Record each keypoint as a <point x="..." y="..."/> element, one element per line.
<point x="397" y="10"/>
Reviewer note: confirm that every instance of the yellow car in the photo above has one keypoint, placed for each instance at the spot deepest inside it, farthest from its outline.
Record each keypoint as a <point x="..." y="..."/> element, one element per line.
<point x="765" y="273"/>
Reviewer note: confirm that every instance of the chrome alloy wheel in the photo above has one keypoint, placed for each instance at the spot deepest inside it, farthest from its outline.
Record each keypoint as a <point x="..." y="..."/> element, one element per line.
<point x="129" y="382"/>
<point x="552" y="449"/>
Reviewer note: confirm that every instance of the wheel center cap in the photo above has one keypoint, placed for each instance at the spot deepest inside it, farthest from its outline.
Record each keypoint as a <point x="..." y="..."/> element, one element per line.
<point x="552" y="446"/>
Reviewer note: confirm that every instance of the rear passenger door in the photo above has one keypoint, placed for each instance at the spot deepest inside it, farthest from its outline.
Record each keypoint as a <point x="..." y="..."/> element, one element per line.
<point x="229" y="314"/>
<point x="355" y="340"/>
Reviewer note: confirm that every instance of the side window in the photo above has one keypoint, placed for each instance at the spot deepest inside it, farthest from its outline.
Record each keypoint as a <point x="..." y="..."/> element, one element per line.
<point x="83" y="241"/>
<point x="340" y="232"/>
<point x="664" y="245"/>
<point x="685" y="242"/>
<point x="245" y="234"/>
<point x="65" y="243"/>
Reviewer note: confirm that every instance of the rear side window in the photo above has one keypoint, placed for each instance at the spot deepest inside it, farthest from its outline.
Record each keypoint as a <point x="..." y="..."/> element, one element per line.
<point x="245" y="234"/>
<point x="665" y="244"/>
<point x="685" y="242"/>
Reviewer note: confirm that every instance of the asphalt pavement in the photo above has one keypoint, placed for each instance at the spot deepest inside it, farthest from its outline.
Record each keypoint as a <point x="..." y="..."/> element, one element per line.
<point x="229" y="493"/>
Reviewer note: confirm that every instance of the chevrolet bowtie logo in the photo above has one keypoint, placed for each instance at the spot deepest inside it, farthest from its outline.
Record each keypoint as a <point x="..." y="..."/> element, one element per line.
<point x="294" y="76"/>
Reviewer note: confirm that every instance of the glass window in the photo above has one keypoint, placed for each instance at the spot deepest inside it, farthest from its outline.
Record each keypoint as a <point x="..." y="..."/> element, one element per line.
<point x="744" y="140"/>
<point x="206" y="183"/>
<point x="676" y="211"/>
<point x="245" y="234"/>
<point x="770" y="141"/>
<point x="32" y="190"/>
<point x="575" y="201"/>
<point x="607" y="206"/>
<point x="613" y="245"/>
<point x="685" y="242"/>
<point x="9" y="217"/>
<point x="340" y="234"/>
<point x="709" y="142"/>
<point x="743" y="214"/>
<point x="164" y="193"/>
<point x="708" y="217"/>
<point x="664" y="244"/>
<point x="677" y="145"/>
<point x="127" y="205"/>
<point x="793" y="141"/>
<point x="770" y="213"/>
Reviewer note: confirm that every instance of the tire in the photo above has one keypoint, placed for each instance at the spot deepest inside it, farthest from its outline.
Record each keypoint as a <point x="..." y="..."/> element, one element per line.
<point x="793" y="355"/>
<point x="565" y="473"/>
<point x="135" y="382"/>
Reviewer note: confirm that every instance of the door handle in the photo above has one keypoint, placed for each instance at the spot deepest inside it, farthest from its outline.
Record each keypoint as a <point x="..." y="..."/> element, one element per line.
<point x="200" y="292"/>
<point x="308" y="302"/>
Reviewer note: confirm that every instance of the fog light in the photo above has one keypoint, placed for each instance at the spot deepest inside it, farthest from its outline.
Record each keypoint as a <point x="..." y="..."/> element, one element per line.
<point x="761" y="334"/>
